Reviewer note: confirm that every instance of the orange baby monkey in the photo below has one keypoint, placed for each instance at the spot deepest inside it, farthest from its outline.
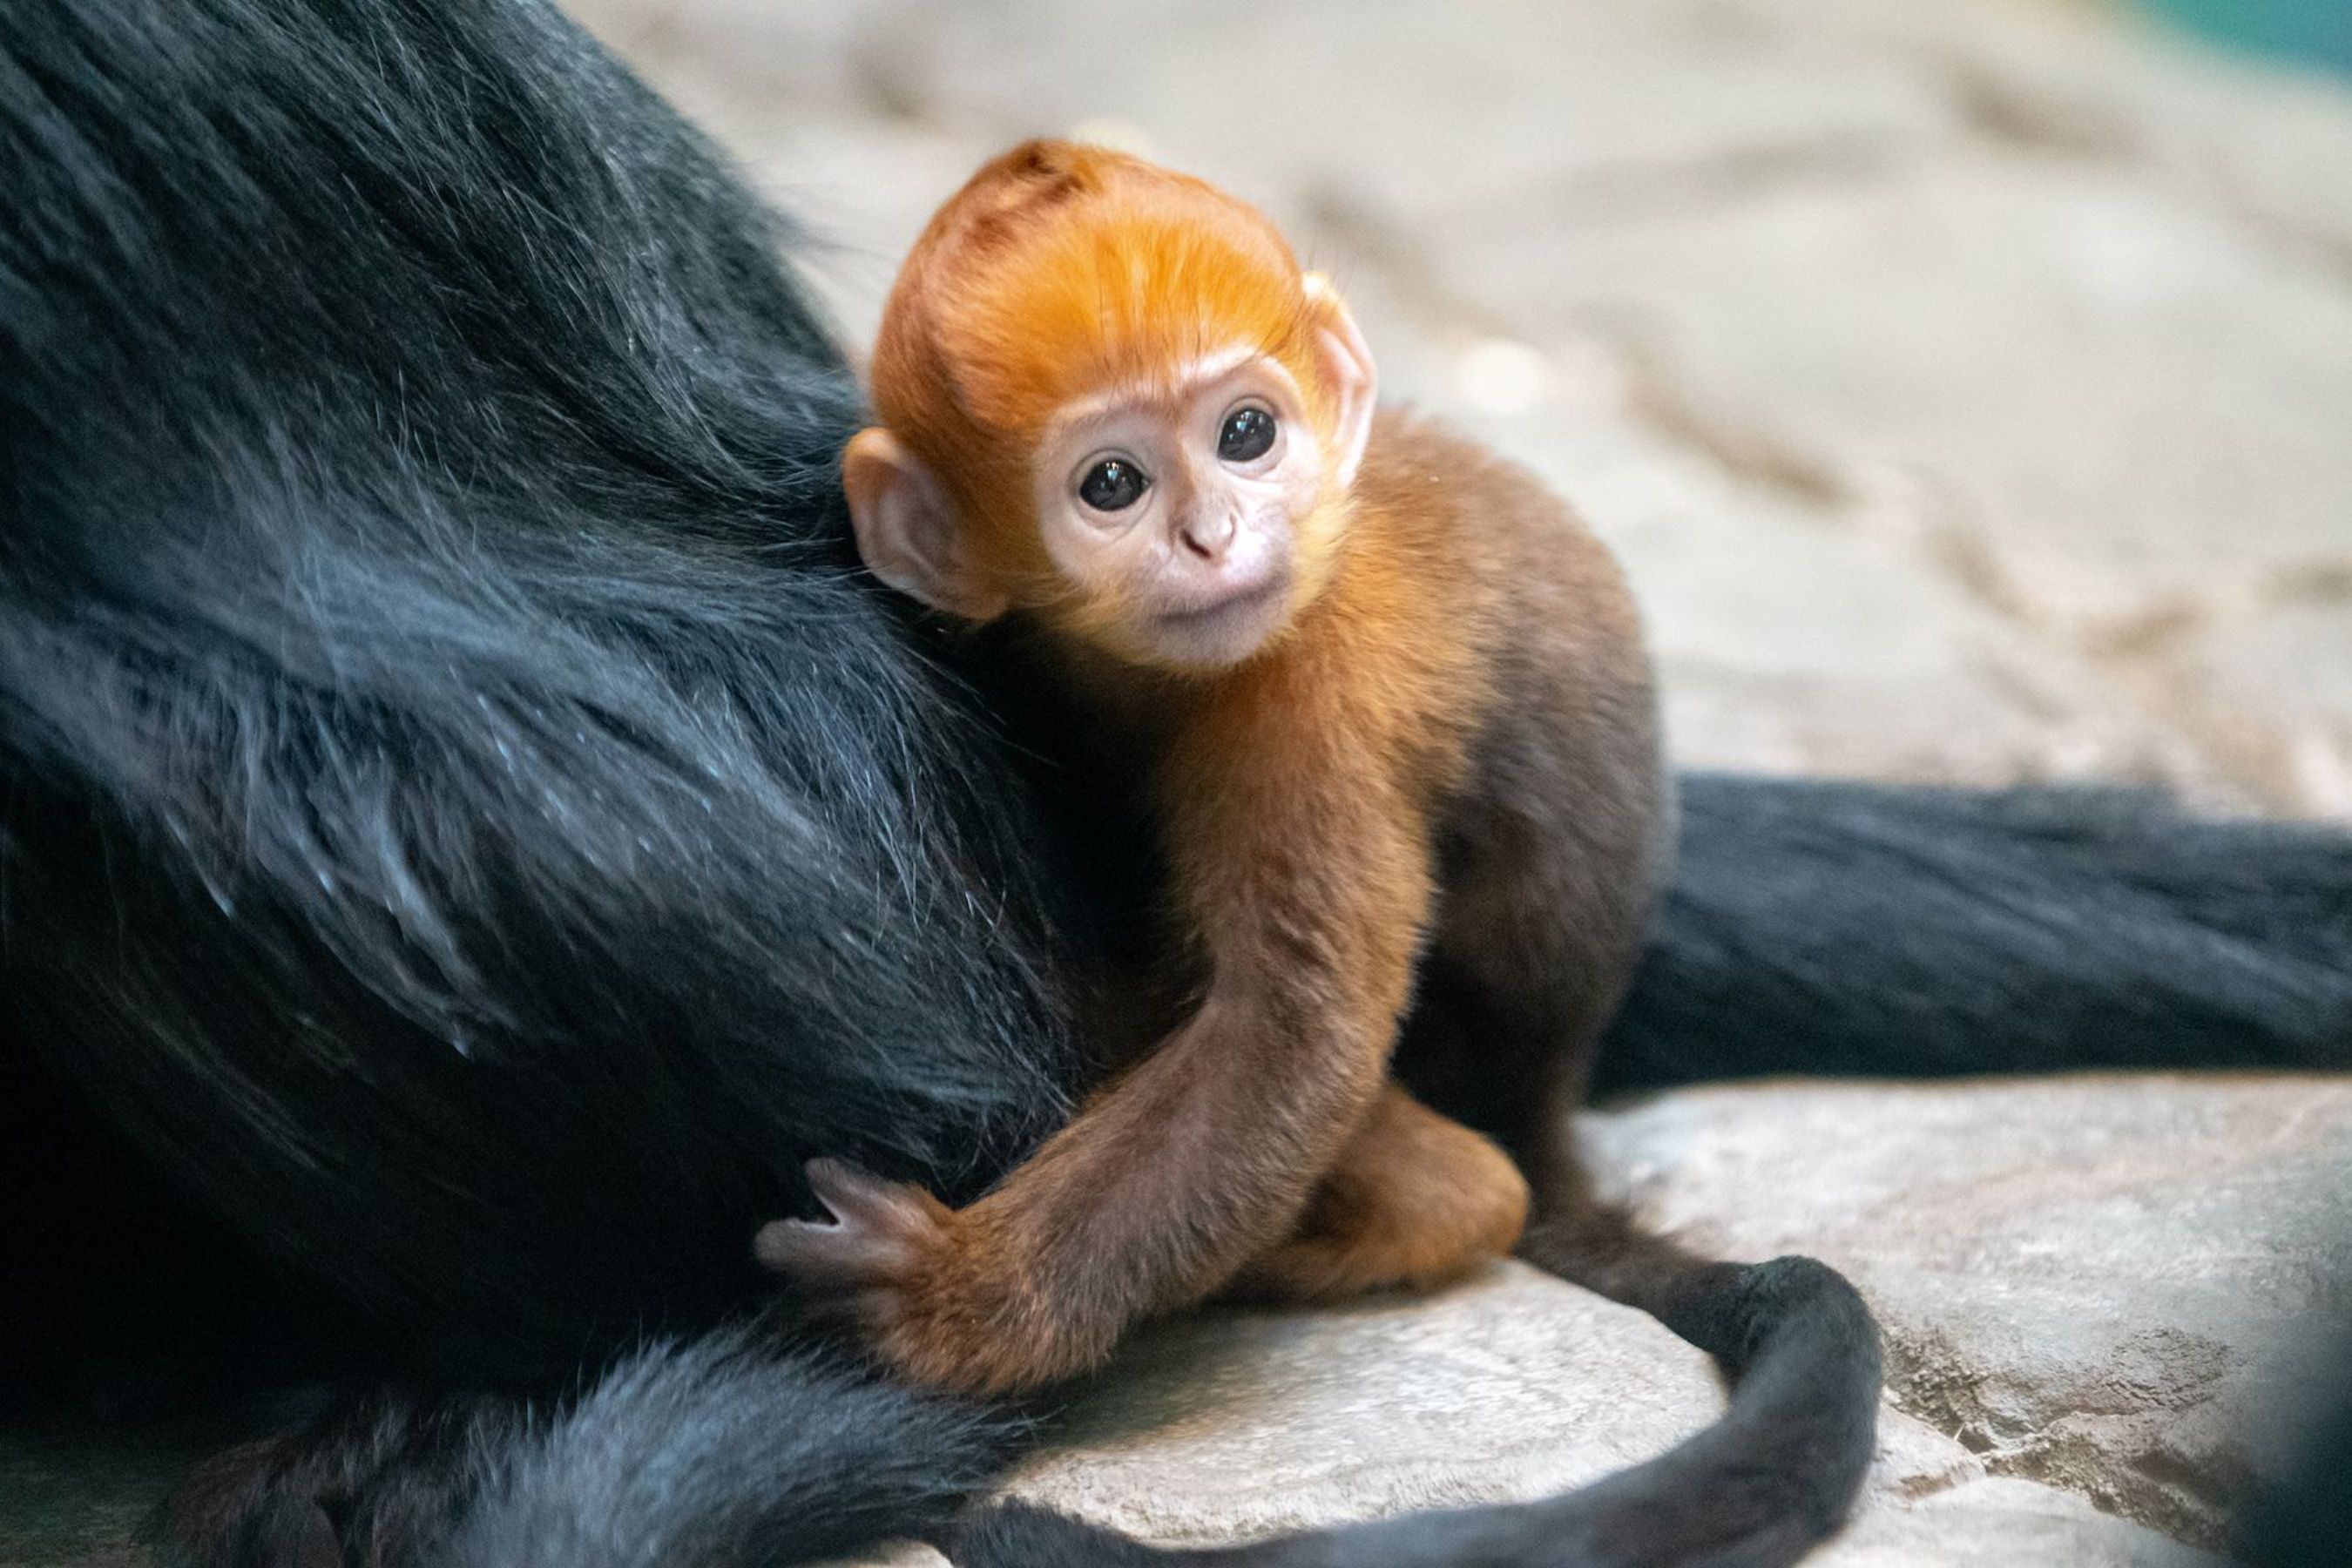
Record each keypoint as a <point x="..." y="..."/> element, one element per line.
<point x="1390" y="708"/>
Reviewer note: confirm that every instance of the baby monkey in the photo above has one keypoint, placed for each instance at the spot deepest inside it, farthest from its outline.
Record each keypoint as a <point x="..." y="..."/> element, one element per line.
<point x="1389" y="707"/>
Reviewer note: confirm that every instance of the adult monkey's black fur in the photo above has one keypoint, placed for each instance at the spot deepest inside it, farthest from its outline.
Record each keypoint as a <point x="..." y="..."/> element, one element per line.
<point x="463" y="842"/>
<point x="460" y="827"/>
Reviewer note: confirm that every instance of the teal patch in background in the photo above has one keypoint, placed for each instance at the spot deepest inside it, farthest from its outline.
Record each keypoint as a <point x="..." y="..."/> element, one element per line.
<point x="2319" y="31"/>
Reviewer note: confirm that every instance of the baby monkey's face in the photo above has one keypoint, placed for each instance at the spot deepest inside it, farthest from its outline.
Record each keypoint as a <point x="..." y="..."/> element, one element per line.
<point x="1178" y="514"/>
<point x="1174" y="509"/>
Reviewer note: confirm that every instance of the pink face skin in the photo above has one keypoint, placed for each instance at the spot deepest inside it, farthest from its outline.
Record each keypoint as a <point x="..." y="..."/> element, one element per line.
<point x="1182" y="500"/>
<point x="1193" y="532"/>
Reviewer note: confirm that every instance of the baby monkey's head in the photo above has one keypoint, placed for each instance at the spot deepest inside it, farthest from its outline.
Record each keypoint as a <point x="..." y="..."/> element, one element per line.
<point x="1109" y="397"/>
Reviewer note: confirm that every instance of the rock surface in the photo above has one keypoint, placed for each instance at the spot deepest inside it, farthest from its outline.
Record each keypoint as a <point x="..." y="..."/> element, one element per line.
<point x="2098" y="1294"/>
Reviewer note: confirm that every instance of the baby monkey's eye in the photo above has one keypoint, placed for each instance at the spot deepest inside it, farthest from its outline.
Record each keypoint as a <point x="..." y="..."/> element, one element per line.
<point x="1113" y="485"/>
<point x="1247" y="436"/>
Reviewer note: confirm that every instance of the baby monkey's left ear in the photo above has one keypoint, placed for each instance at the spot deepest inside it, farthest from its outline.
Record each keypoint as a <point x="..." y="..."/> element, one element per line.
<point x="1347" y="373"/>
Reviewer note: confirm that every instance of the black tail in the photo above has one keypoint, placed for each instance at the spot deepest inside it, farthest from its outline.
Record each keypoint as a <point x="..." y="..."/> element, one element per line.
<point x="717" y="1451"/>
<point x="1757" y="1490"/>
<point x="1841" y="928"/>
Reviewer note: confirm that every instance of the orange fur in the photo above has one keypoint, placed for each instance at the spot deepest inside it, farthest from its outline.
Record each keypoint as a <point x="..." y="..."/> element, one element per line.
<point x="1414" y="1199"/>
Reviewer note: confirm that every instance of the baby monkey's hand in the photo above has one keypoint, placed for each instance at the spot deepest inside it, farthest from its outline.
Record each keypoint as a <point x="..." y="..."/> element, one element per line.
<point x="937" y="1292"/>
<point x="883" y="1238"/>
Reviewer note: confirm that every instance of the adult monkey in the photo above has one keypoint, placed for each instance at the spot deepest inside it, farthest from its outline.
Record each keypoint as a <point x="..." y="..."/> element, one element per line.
<point x="465" y="841"/>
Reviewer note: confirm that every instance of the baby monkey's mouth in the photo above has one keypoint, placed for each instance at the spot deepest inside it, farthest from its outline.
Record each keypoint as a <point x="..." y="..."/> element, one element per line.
<point x="1221" y="631"/>
<point x="1228" y="602"/>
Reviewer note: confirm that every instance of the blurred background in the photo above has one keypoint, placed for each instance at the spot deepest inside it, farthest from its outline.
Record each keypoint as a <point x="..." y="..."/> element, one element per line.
<point x="1967" y="384"/>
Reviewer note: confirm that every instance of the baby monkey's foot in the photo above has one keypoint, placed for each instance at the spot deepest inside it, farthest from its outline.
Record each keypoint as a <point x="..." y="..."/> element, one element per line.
<point x="1416" y="1201"/>
<point x="934" y="1290"/>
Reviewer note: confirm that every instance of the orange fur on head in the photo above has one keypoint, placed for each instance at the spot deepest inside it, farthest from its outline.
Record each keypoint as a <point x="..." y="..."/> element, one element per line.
<point x="1059" y="270"/>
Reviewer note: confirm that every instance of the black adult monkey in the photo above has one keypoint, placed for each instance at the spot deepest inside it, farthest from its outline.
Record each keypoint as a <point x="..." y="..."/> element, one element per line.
<point x="465" y="839"/>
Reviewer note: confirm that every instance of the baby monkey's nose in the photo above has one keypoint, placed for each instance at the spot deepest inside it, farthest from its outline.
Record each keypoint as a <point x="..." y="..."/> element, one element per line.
<point x="1208" y="537"/>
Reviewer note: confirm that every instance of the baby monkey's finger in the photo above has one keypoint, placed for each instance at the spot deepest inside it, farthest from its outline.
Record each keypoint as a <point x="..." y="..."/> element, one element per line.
<point x="860" y="1199"/>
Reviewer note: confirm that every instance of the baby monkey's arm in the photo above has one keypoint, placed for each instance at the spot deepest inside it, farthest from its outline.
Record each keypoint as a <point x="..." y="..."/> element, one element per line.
<point x="1306" y="871"/>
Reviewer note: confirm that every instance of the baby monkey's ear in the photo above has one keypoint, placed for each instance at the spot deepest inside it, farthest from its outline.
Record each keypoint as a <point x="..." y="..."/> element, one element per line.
<point x="908" y="531"/>
<point x="1348" y="373"/>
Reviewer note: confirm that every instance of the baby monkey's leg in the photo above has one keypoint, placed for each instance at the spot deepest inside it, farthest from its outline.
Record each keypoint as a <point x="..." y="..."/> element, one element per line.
<point x="1415" y="1200"/>
<point x="1540" y="930"/>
